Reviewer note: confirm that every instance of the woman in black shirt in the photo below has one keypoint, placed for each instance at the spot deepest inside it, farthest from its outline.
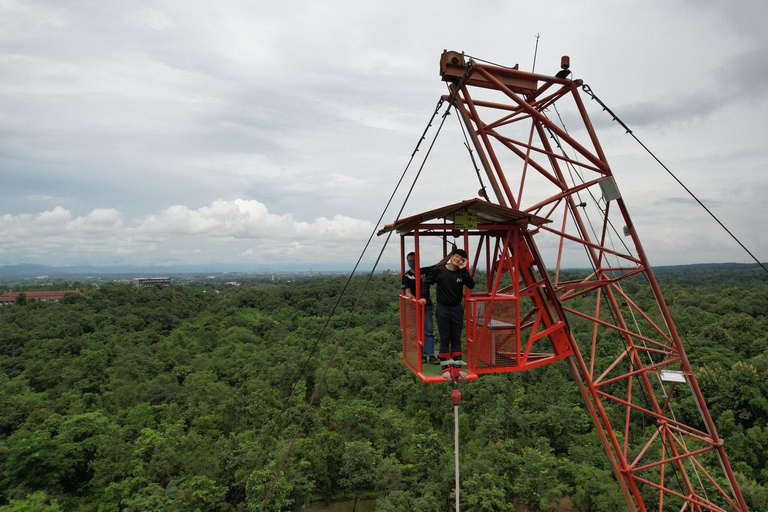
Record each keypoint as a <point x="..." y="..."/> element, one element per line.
<point x="451" y="279"/>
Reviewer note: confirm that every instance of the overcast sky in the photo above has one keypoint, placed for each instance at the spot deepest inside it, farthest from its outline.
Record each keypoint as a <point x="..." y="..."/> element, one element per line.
<point x="189" y="132"/>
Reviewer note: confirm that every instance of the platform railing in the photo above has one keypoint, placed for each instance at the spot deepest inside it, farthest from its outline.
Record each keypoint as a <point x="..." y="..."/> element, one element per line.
<point x="412" y="328"/>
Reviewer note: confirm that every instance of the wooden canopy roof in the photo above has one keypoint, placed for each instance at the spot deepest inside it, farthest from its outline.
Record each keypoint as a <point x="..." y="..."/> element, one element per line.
<point x="487" y="213"/>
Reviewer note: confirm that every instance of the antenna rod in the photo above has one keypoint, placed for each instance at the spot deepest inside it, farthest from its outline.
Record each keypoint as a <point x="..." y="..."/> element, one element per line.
<point x="535" y="51"/>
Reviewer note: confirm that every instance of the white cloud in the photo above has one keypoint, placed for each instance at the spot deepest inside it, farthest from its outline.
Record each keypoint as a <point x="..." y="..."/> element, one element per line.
<point x="291" y="121"/>
<point x="178" y="234"/>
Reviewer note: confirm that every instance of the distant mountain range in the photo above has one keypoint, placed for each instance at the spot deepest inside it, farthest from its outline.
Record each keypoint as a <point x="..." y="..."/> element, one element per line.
<point x="33" y="270"/>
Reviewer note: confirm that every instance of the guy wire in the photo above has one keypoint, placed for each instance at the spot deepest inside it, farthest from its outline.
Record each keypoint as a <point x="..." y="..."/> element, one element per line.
<point x="320" y="382"/>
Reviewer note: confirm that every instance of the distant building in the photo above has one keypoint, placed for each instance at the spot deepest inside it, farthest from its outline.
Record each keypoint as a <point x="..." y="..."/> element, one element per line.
<point x="151" y="282"/>
<point x="11" y="297"/>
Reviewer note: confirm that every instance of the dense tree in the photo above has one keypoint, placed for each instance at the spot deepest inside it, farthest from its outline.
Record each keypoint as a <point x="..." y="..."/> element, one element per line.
<point x="35" y="502"/>
<point x="358" y="468"/>
<point x="185" y="399"/>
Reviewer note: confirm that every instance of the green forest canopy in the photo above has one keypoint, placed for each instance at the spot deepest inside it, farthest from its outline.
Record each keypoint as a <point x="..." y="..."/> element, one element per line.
<point x="167" y="399"/>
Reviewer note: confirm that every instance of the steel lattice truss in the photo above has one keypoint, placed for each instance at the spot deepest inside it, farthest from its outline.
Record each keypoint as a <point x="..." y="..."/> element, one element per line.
<point x="628" y="360"/>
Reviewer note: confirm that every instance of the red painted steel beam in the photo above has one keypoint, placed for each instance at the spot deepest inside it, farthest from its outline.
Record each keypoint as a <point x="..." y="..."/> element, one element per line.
<point x="526" y="100"/>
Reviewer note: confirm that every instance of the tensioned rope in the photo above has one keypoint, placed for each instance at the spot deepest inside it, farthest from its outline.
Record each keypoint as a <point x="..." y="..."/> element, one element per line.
<point x="591" y="94"/>
<point x="352" y="273"/>
<point x="472" y="156"/>
<point x="338" y="344"/>
<point x="346" y="285"/>
<point x="572" y="170"/>
<point x="691" y="346"/>
<point x="489" y="62"/>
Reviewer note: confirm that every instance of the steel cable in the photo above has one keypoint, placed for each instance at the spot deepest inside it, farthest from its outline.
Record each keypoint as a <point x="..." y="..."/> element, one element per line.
<point x="591" y="94"/>
<point x="346" y="284"/>
<point x="320" y="382"/>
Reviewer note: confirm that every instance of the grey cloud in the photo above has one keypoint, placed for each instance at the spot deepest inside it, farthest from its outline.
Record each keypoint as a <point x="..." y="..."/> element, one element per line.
<point x="677" y="200"/>
<point x="661" y="113"/>
<point x="746" y="75"/>
<point x="747" y="16"/>
<point x="311" y="109"/>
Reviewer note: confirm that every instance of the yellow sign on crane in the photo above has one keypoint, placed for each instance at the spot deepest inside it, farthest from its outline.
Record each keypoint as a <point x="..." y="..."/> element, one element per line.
<point x="465" y="220"/>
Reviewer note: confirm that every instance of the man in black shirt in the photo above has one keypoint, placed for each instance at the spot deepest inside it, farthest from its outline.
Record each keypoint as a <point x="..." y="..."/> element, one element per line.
<point x="451" y="280"/>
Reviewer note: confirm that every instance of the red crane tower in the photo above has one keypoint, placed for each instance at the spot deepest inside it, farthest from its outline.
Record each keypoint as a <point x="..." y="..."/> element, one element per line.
<point x="609" y="324"/>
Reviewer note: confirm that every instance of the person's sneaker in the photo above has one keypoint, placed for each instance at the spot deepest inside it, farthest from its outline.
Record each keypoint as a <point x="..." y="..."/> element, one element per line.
<point x="447" y="374"/>
<point x="424" y="359"/>
<point x="433" y="360"/>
